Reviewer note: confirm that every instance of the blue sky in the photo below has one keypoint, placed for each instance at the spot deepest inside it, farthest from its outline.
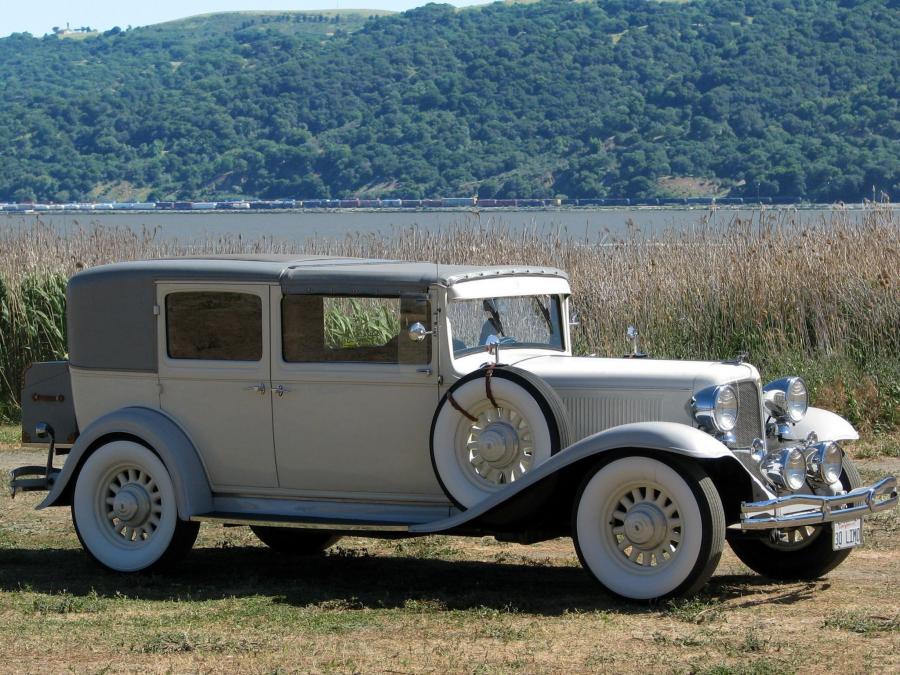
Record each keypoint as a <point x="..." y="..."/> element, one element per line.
<point x="39" y="16"/>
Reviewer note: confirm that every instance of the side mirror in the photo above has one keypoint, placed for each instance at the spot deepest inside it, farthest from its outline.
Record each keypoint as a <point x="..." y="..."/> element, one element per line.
<point x="574" y="315"/>
<point x="574" y="318"/>
<point x="634" y="336"/>
<point x="417" y="332"/>
<point x="43" y="430"/>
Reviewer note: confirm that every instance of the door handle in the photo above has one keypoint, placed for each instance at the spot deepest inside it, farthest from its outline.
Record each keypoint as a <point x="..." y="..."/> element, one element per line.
<point x="258" y="388"/>
<point x="281" y="390"/>
<point x="424" y="371"/>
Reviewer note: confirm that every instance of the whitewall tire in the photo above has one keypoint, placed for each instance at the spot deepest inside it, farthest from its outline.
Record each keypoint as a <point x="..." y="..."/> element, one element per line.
<point x="124" y="509"/>
<point x="648" y="529"/>
<point x="474" y="459"/>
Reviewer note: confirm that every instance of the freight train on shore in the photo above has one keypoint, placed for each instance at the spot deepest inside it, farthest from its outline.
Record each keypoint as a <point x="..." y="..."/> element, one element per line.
<point x="388" y="204"/>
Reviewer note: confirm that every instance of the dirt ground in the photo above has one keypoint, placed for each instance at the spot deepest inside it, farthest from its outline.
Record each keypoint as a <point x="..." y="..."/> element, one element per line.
<point x="434" y="605"/>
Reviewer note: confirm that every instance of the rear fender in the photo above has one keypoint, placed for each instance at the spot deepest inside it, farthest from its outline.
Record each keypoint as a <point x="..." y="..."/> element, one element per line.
<point x="658" y="437"/>
<point x="153" y="429"/>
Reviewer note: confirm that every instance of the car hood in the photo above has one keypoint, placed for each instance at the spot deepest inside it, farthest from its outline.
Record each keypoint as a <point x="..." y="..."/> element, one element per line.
<point x="587" y="372"/>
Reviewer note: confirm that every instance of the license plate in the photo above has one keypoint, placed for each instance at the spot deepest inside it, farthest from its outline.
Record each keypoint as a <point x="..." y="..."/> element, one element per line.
<point x="846" y="534"/>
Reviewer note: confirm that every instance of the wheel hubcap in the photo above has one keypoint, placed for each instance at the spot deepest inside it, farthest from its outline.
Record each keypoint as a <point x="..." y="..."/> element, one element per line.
<point x="132" y="505"/>
<point x="499" y="446"/>
<point x="645" y="527"/>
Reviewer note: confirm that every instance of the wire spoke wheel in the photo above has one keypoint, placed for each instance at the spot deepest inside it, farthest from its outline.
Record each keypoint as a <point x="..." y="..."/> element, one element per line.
<point x="124" y="509"/>
<point x="294" y="541"/>
<point x="644" y="525"/>
<point x="491" y="433"/>
<point x="648" y="529"/>
<point x="792" y="553"/>
<point x="131" y="503"/>
<point x="499" y="446"/>
<point x="792" y="538"/>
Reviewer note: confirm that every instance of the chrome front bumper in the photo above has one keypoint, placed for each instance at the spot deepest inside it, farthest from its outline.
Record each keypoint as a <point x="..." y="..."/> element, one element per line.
<point x="799" y="510"/>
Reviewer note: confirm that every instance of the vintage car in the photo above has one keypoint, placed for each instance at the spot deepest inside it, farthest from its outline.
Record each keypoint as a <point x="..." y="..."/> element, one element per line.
<point x="313" y="397"/>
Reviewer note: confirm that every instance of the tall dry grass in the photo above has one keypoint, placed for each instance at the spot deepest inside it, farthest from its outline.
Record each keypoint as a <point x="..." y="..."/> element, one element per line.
<point x="821" y="298"/>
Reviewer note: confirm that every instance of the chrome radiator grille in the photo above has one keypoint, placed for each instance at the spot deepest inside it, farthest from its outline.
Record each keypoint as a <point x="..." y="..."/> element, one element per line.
<point x="749" y="421"/>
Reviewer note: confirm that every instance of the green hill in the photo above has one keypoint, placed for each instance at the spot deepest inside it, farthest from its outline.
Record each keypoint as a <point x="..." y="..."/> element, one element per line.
<point x="613" y="97"/>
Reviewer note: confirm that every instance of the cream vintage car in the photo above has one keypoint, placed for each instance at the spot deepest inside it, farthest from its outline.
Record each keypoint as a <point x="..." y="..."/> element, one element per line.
<point x="314" y="397"/>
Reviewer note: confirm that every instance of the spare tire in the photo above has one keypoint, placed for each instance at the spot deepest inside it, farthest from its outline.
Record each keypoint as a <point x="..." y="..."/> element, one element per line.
<point x="480" y="445"/>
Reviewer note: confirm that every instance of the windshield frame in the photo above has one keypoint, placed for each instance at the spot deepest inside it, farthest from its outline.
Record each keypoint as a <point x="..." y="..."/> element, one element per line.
<point x="561" y="299"/>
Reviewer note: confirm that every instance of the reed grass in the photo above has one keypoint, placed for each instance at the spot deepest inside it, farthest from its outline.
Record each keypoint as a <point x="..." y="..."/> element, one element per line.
<point x="820" y="299"/>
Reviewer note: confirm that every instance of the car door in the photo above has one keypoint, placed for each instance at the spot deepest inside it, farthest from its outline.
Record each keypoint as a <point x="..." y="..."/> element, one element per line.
<point x="354" y="397"/>
<point x="214" y="375"/>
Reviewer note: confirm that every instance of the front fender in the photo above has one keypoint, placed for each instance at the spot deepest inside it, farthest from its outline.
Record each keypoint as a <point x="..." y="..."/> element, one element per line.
<point x="677" y="439"/>
<point x="827" y="425"/>
<point x="192" y="491"/>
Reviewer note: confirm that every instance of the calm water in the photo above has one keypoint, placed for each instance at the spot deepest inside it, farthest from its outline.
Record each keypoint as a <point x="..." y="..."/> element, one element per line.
<point x="301" y="225"/>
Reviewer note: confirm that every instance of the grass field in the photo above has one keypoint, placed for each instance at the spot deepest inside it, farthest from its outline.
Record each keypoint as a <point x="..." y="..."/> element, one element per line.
<point x="434" y="604"/>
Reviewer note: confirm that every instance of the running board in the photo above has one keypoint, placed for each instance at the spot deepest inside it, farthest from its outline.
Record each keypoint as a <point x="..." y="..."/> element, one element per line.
<point x="308" y="523"/>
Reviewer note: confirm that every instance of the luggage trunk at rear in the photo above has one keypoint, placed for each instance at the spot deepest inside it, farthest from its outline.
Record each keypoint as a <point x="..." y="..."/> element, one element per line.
<point x="47" y="398"/>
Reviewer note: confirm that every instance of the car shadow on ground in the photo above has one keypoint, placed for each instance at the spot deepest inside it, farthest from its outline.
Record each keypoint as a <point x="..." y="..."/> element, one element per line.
<point x="348" y="579"/>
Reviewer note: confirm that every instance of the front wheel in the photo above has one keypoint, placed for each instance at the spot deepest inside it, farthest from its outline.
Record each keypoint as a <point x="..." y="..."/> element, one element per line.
<point x="124" y="509"/>
<point x="648" y="529"/>
<point x="794" y="553"/>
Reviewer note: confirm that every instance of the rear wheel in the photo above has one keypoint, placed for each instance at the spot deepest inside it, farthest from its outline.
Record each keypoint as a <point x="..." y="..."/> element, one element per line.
<point x="124" y="510"/>
<point x="294" y="541"/>
<point x="646" y="528"/>
<point x="801" y="553"/>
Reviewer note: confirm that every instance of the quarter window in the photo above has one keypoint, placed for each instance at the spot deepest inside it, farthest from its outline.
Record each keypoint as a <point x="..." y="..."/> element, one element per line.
<point x="317" y="328"/>
<point x="214" y="326"/>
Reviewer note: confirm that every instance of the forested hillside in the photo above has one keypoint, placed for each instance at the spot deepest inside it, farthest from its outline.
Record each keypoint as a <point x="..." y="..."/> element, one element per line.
<point x="597" y="98"/>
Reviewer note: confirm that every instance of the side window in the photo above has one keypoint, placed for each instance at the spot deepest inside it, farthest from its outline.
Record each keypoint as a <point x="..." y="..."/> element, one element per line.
<point x="317" y="328"/>
<point x="211" y="325"/>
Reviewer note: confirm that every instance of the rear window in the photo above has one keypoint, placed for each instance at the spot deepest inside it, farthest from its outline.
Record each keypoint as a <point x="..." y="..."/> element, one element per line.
<point x="214" y="326"/>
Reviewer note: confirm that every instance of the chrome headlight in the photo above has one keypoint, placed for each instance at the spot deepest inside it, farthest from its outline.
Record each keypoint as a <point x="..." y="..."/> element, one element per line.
<point x="787" y="399"/>
<point x="786" y="468"/>
<point x="716" y="408"/>
<point x="824" y="462"/>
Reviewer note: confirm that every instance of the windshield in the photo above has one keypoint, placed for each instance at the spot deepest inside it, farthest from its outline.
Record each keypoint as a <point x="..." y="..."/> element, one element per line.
<point x="527" y="321"/>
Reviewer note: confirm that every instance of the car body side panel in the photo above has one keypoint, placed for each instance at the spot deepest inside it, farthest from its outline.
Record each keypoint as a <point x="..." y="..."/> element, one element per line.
<point x="99" y="392"/>
<point x="827" y="425"/>
<point x="192" y="490"/>
<point x="678" y="439"/>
